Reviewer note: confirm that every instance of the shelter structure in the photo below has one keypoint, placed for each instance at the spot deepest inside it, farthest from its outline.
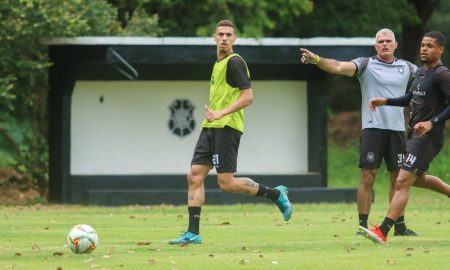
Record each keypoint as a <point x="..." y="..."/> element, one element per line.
<point x="125" y="114"/>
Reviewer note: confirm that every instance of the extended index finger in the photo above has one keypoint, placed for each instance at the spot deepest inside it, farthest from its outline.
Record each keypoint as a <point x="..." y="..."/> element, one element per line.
<point x="304" y="50"/>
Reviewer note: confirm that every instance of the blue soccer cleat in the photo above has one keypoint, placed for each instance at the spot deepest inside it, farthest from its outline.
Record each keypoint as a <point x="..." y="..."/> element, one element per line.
<point x="186" y="238"/>
<point x="283" y="203"/>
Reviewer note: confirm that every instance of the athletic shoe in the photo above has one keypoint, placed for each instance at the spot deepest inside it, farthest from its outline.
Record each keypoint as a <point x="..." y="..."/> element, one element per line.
<point x="283" y="203"/>
<point x="407" y="232"/>
<point x="374" y="234"/>
<point x="186" y="238"/>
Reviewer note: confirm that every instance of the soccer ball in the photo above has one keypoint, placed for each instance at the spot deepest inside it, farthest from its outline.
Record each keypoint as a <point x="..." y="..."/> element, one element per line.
<point x="82" y="239"/>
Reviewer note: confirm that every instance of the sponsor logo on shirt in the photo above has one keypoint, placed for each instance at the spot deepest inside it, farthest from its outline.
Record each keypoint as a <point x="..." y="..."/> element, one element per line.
<point x="419" y="93"/>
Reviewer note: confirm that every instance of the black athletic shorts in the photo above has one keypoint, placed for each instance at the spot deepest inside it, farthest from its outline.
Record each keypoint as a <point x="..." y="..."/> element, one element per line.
<point x="218" y="147"/>
<point x="378" y="144"/>
<point x="420" y="151"/>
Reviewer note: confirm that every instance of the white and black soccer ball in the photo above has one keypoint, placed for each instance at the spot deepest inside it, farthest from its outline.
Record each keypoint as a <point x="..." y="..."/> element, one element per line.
<point x="82" y="239"/>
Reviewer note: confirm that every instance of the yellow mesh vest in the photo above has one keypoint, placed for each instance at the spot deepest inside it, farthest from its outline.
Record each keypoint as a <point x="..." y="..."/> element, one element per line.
<point x="222" y="95"/>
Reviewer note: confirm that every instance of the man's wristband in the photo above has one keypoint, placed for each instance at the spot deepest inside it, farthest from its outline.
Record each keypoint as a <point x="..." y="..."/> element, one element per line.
<point x="316" y="60"/>
<point x="434" y="121"/>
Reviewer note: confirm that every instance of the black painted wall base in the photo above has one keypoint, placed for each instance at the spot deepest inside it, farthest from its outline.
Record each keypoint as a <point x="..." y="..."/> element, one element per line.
<point x="213" y="196"/>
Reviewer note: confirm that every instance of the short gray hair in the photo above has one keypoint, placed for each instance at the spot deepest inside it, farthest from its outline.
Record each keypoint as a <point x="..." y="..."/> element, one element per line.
<point x="382" y="31"/>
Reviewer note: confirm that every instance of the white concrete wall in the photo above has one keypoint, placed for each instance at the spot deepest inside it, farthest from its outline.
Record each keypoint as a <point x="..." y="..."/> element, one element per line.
<point x="128" y="133"/>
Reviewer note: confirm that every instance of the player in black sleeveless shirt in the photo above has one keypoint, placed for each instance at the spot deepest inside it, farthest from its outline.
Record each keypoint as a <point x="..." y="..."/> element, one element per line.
<point x="428" y="98"/>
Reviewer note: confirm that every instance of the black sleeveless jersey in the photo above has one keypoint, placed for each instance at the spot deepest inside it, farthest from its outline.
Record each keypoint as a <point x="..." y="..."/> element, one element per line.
<point x="430" y="92"/>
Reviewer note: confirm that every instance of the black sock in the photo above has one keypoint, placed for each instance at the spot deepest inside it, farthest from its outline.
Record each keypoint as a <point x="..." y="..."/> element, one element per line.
<point x="386" y="225"/>
<point x="268" y="192"/>
<point x="194" y="219"/>
<point x="400" y="226"/>
<point x="363" y="220"/>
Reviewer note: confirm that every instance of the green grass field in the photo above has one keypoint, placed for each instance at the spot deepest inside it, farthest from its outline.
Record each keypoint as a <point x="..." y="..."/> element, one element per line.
<point x="319" y="236"/>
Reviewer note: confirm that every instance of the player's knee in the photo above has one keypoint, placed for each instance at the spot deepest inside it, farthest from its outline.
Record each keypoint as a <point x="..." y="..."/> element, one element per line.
<point x="401" y="183"/>
<point x="194" y="179"/>
<point x="368" y="178"/>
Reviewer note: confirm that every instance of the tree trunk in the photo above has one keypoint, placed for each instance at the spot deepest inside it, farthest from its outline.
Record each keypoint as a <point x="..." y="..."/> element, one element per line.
<point x="412" y="34"/>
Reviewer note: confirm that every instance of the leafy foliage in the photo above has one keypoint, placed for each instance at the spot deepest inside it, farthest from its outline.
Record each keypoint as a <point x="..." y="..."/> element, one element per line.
<point x="254" y="18"/>
<point x="440" y="21"/>
<point x="24" y="64"/>
<point x="141" y="24"/>
<point x="354" y="18"/>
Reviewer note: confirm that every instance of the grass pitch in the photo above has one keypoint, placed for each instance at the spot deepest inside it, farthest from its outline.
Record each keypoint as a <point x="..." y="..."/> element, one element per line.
<point x="319" y="236"/>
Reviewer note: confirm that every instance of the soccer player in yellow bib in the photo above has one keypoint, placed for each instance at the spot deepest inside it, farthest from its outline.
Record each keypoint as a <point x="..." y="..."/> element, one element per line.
<point x="218" y="143"/>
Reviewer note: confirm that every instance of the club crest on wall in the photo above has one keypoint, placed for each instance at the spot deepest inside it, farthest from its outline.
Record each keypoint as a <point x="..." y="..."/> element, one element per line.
<point x="181" y="121"/>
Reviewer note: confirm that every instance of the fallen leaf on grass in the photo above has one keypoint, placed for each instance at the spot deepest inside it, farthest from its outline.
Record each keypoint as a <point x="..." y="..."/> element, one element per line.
<point x="349" y="249"/>
<point x="409" y="248"/>
<point x="408" y="254"/>
<point x="143" y="243"/>
<point x="35" y="247"/>
<point x="225" y="223"/>
<point x="261" y="256"/>
<point x="58" y="253"/>
<point x="391" y="261"/>
<point x="59" y="268"/>
<point x="151" y="261"/>
<point x="244" y="248"/>
<point x="18" y="254"/>
<point x="211" y="255"/>
<point x="244" y="261"/>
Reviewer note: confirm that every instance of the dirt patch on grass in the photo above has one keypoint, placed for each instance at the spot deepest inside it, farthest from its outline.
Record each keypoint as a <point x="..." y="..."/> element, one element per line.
<point x="344" y="127"/>
<point x="16" y="189"/>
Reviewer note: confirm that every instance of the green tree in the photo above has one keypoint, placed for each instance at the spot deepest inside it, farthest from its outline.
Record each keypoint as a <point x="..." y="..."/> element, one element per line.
<point x="24" y="64"/>
<point x="254" y="18"/>
<point x="352" y="18"/>
<point x="413" y="32"/>
<point x="440" y="21"/>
